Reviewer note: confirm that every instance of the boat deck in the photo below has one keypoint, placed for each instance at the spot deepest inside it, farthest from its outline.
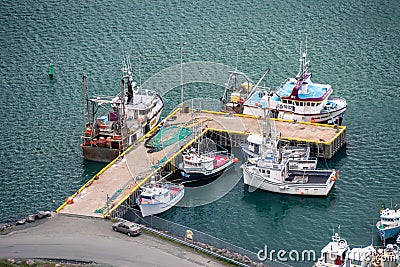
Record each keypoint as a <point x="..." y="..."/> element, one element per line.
<point x="309" y="177"/>
<point x="114" y="184"/>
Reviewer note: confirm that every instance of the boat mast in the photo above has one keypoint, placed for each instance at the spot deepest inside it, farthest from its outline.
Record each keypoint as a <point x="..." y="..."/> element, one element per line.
<point x="122" y="107"/>
<point x="259" y="81"/>
<point x="86" y="105"/>
<point x="181" y="45"/>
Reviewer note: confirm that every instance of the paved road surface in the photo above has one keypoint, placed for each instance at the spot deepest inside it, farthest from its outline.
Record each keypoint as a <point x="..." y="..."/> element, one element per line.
<point x="92" y="240"/>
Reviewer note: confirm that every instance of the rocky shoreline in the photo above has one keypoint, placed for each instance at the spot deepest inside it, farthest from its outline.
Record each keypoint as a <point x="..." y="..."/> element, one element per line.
<point x="29" y="220"/>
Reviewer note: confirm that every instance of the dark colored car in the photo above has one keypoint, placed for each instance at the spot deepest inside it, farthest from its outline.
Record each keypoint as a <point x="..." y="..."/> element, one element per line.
<point x="129" y="228"/>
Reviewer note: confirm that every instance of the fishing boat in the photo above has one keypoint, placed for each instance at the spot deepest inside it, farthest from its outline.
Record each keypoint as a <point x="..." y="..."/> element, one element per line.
<point x="285" y="171"/>
<point x="115" y="123"/>
<point x="388" y="256"/>
<point x="335" y="253"/>
<point x="238" y="88"/>
<point x="200" y="166"/>
<point x="159" y="197"/>
<point x="360" y="257"/>
<point x="299" y="99"/>
<point x="299" y="155"/>
<point x="389" y="224"/>
<point x="272" y="173"/>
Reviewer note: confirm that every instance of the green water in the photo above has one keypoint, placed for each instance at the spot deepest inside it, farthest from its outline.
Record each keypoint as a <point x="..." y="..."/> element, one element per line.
<point x="354" y="46"/>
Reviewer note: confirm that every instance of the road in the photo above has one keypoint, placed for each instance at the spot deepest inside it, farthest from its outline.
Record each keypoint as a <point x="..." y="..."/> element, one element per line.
<point x="92" y="240"/>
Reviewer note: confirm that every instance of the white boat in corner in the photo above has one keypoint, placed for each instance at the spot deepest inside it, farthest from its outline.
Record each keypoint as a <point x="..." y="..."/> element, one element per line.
<point x="335" y="253"/>
<point x="157" y="198"/>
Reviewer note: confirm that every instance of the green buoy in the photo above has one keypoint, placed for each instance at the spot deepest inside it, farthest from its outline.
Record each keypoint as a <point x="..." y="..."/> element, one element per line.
<point x="51" y="70"/>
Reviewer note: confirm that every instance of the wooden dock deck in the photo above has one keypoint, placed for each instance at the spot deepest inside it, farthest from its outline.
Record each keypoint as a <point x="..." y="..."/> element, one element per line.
<point x="120" y="179"/>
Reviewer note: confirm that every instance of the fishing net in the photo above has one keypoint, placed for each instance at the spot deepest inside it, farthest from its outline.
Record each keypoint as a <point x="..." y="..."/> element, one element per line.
<point x="168" y="136"/>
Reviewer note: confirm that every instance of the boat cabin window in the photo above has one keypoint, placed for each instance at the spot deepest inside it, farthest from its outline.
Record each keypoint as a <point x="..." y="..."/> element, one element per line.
<point x="142" y="112"/>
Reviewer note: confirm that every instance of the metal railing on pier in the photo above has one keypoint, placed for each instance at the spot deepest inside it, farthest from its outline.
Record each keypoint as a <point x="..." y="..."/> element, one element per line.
<point x="193" y="238"/>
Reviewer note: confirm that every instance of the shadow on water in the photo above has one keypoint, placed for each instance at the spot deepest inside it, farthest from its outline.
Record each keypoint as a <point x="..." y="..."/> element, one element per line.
<point x="277" y="205"/>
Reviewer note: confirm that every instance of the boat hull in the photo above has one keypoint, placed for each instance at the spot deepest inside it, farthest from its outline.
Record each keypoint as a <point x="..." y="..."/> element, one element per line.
<point x="193" y="178"/>
<point x="109" y="153"/>
<point x="336" y="115"/>
<point x="99" y="154"/>
<point x="388" y="232"/>
<point x="306" y="189"/>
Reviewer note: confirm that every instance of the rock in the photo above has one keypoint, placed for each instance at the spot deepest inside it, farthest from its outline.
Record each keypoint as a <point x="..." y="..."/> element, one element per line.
<point x="40" y="215"/>
<point x="30" y="219"/>
<point x="47" y="213"/>
<point x="57" y="265"/>
<point x="11" y="260"/>
<point x="246" y="259"/>
<point x="30" y="262"/>
<point x="21" y="222"/>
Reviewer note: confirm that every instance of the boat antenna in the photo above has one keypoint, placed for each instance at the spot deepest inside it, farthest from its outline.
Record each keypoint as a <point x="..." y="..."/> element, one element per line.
<point x="372" y="234"/>
<point x="237" y="60"/>
<point x="87" y="116"/>
<point x="306" y="44"/>
<point x="140" y="77"/>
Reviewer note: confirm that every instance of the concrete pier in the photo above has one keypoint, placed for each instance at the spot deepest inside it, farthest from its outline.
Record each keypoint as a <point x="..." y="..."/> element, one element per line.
<point x="119" y="181"/>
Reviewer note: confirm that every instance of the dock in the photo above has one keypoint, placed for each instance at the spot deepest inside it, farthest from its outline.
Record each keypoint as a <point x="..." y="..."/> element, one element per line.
<point x="115" y="187"/>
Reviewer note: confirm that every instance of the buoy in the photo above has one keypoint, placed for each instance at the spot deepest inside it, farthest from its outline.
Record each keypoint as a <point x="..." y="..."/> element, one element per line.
<point x="51" y="70"/>
<point x="312" y="120"/>
<point x="235" y="160"/>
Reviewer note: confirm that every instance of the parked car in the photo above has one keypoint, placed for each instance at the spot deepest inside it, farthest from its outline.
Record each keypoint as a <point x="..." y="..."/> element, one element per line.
<point x="126" y="227"/>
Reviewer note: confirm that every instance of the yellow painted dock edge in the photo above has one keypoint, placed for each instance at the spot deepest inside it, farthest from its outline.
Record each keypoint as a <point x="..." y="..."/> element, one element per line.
<point x="88" y="183"/>
<point x="151" y="174"/>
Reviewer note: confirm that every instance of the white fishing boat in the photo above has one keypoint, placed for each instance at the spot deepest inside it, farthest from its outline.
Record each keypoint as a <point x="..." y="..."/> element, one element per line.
<point x="273" y="174"/>
<point x="360" y="257"/>
<point x="299" y="155"/>
<point x="389" y="223"/>
<point x="286" y="172"/>
<point x="335" y="253"/>
<point x="115" y="123"/>
<point x="299" y="99"/>
<point x="159" y="197"/>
